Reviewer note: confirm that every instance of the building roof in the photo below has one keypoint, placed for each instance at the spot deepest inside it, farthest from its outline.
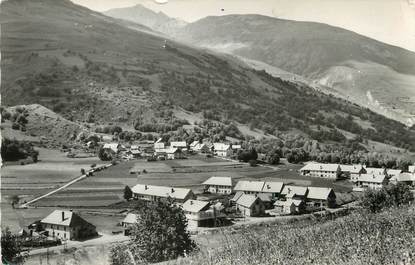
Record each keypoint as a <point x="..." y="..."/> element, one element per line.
<point x="221" y="146"/>
<point x="236" y="146"/>
<point x="195" y="206"/>
<point x="288" y="202"/>
<point x="247" y="200"/>
<point x="64" y="218"/>
<point x="246" y="185"/>
<point x="319" y="193"/>
<point x="351" y="168"/>
<point x="265" y="197"/>
<point x="158" y="145"/>
<point x="194" y="144"/>
<point x="112" y="146"/>
<point x="222" y="181"/>
<point x="290" y="191"/>
<point x="393" y="172"/>
<point x="371" y="178"/>
<point x="237" y="195"/>
<point x="273" y="187"/>
<point x="161" y="191"/>
<point x="405" y="176"/>
<point x="320" y="167"/>
<point x="131" y="218"/>
<point x="171" y="150"/>
<point x="375" y="171"/>
<point x="178" y="144"/>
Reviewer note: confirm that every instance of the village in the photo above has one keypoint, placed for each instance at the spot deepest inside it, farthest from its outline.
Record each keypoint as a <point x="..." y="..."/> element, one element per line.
<point x="218" y="201"/>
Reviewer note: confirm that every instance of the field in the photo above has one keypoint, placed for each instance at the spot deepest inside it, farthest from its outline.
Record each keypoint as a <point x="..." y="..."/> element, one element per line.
<point x="100" y="192"/>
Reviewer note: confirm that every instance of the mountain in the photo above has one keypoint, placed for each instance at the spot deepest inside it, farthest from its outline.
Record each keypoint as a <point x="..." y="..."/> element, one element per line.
<point x="139" y="14"/>
<point x="366" y="71"/>
<point x="94" y="69"/>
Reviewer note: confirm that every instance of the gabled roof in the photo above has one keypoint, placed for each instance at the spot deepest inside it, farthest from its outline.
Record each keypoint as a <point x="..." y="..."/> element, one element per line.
<point x="320" y="167"/>
<point x="265" y="197"/>
<point x="178" y="144"/>
<point x="319" y="193"/>
<point x="112" y="146"/>
<point x="393" y="172"/>
<point x="194" y="144"/>
<point x="159" y="145"/>
<point x="371" y="178"/>
<point x="405" y="176"/>
<point x="236" y="146"/>
<point x="195" y="206"/>
<point x="172" y="150"/>
<point x="290" y="191"/>
<point x="273" y="187"/>
<point x="246" y="185"/>
<point x="288" y="202"/>
<point x="238" y="194"/>
<point x="351" y="168"/>
<point x="221" y="146"/>
<point x="375" y="171"/>
<point x="247" y="200"/>
<point x="131" y="218"/>
<point x="161" y="191"/>
<point x="222" y="181"/>
<point x="64" y="218"/>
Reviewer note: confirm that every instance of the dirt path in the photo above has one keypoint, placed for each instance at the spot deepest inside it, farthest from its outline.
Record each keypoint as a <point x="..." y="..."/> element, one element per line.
<point x="25" y="205"/>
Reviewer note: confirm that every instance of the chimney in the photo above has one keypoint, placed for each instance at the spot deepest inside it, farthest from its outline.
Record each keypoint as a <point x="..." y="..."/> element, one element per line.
<point x="172" y="190"/>
<point x="191" y="202"/>
<point x="268" y="186"/>
<point x="145" y="187"/>
<point x="63" y="215"/>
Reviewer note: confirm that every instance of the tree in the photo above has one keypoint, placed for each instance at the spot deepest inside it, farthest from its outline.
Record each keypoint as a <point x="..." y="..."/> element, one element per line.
<point x="246" y="155"/>
<point x="273" y="158"/>
<point x="160" y="234"/>
<point x="10" y="248"/>
<point x="128" y="193"/>
<point x="105" y="154"/>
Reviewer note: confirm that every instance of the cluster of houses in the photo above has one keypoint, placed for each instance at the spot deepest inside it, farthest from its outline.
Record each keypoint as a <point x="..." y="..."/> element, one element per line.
<point x="362" y="177"/>
<point x="248" y="198"/>
<point x="175" y="150"/>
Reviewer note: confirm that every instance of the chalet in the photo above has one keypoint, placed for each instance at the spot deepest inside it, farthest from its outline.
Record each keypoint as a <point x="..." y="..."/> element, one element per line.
<point x="273" y="188"/>
<point x="222" y="150"/>
<point x="250" y="205"/>
<point x="201" y="213"/>
<point x="174" y="153"/>
<point x="371" y="181"/>
<point x="249" y="187"/>
<point x="289" y="206"/>
<point x="294" y="192"/>
<point x="156" y="193"/>
<point x="319" y="197"/>
<point x="67" y="225"/>
<point x="352" y="171"/>
<point x="221" y="185"/>
<point x="115" y="147"/>
<point x="376" y="171"/>
<point x="128" y="222"/>
<point x="179" y="145"/>
<point x="319" y="170"/>
<point x="404" y="177"/>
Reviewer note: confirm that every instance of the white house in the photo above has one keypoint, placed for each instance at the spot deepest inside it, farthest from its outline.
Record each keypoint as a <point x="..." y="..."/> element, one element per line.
<point x="393" y="172"/>
<point x="352" y="171"/>
<point x="404" y="177"/>
<point x="318" y="197"/>
<point x="289" y="206"/>
<point x="274" y="188"/>
<point x="371" y="181"/>
<point x="115" y="147"/>
<point x="376" y="171"/>
<point x="180" y="145"/>
<point x="67" y="225"/>
<point x="221" y="185"/>
<point x="222" y="150"/>
<point x="319" y="170"/>
<point x="174" y="153"/>
<point x="250" y="205"/>
<point x="129" y="220"/>
<point x="297" y="192"/>
<point x="249" y="187"/>
<point x="156" y="193"/>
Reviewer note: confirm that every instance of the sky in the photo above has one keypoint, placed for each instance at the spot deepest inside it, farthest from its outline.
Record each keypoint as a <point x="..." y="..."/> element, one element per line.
<point x="389" y="21"/>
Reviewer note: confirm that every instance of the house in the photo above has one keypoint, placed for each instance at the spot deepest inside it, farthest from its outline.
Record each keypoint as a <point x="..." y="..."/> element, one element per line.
<point x="404" y="177"/>
<point x="289" y="206"/>
<point x="221" y="185"/>
<point x="371" y="181"/>
<point x="158" y="146"/>
<point x="273" y="188"/>
<point x="146" y="148"/>
<point x="249" y="187"/>
<point x="236" y="148"/>
<point x="156" y="193"/>
<point x="250" y="205"/>
<point x="179" y="145"/>
<point x="237" y="195"/>
<point x="393" y="172"/>
<point x="205" y="148"/>
<point x="319" y="197"/>
<point x="294" y="192"/>
<point x="352" y="171"/>
<point x="376" y="171"/>
<point x="67" y="225"/>
<point x="222" y="150"/>
<point x="267" y="199"/>
<point x="115" y="147"/>
<point x="174" y="153"/>
<point x="128" y="222"/>
<point x="201" y="213"/>
<point x="319" y="170"/>
<point x="194" y="146"/>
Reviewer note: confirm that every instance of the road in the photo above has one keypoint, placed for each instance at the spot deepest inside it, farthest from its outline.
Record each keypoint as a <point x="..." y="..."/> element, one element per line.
<point x="25" y="205"/>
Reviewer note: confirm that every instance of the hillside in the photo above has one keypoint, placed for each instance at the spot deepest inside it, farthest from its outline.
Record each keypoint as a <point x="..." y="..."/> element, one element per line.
<point x="363" y="70"/>
<point x="139" y="14"/>
<point x="92" y="68"/>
